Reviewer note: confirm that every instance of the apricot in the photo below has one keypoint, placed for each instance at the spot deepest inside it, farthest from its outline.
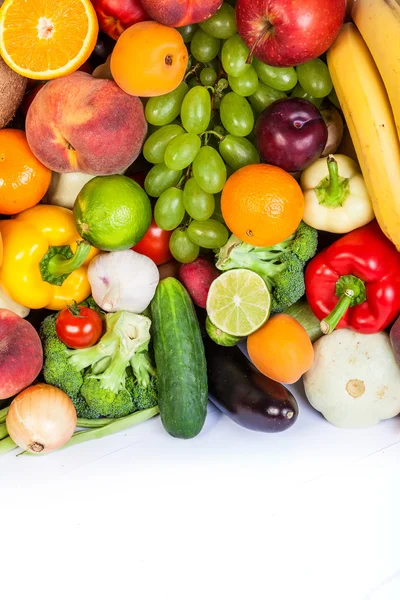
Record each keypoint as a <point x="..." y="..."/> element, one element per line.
<point x="149" y="59"/>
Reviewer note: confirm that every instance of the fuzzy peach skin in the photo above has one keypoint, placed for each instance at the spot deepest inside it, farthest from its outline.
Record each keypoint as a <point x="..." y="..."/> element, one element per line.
<point x="177" y="13"/>
<point x="80" y="123"/>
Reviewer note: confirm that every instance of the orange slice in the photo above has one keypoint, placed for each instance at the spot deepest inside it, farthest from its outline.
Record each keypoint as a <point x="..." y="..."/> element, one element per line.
<point x="45" y="39"/>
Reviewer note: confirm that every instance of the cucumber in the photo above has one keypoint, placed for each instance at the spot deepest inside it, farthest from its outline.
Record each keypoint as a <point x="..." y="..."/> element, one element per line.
<point x="180" y="360"/>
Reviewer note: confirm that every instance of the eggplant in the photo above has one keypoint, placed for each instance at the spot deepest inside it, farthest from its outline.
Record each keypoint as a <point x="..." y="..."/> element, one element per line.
<point x="244" y="394"/>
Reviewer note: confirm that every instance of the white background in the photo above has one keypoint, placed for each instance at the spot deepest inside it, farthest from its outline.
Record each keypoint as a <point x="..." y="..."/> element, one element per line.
<point x="311" y="513"/>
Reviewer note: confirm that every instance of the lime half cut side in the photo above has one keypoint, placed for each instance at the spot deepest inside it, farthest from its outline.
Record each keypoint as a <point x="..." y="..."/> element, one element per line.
<point x="239" y="302"/>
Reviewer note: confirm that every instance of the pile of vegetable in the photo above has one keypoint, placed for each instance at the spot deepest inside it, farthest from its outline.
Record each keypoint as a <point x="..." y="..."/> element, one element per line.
<point x="214" y="221"/>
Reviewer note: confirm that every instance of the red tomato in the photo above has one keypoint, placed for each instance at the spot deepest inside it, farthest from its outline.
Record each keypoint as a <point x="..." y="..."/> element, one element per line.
<point x="155" y="244"/>
<point x="79" y="327"/>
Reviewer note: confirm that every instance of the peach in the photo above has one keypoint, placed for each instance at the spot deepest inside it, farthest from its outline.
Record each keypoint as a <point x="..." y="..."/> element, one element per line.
<point x="21" y="354"/>
<point x="81" y="123"/>
<point x="177" y="13"/>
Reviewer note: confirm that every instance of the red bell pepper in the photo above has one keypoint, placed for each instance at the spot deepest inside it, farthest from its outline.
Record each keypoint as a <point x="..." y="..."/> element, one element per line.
<point x="355" y="283"/>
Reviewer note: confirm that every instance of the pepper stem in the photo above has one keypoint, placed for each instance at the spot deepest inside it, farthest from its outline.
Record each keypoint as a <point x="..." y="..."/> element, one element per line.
<point x="60" y="261"/>
<point x="351" y="291"/>
<point x="333" y="190"/>
<point x="60" y="265"/>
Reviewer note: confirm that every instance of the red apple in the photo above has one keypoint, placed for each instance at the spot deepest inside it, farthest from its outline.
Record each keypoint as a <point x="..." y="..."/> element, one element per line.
<point x="117" y="15"/>
<point x="177" y="13"/>
<point x="284" y="33"/>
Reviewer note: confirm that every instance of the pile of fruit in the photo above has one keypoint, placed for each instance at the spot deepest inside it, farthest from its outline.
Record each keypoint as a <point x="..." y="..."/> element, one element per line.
<point x="180" y="182"/>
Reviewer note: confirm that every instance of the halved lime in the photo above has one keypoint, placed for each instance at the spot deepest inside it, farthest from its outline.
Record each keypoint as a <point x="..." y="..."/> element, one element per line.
<point x="239" y="302"/>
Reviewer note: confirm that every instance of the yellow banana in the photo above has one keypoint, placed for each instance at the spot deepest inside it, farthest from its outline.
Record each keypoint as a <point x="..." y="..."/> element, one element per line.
<point x="378" y="21"/>
<point x="369" y="117"/>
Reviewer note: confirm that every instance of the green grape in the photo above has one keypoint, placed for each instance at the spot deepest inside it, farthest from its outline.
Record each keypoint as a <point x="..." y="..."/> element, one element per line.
<point x="238" y="152"/>
<point x="264" y="96"/>
<point x="236" y="115"/>
<point x="279" y="78"/>
<point x="234" y="55"/>
<point x="204" y="47"/>
<point x="181" y="151"/>
<point x="209" y="170"/>
<point x="208" y="234"/>
<point x="169" y="210"/>
<point x="198" y="204"/>
<point x="196" y="110"/>
<point x="208" y="76"/>
<point x="187" y="32"/>
<point x="245" y="84"/>
<point x="159" y="179"/>
<point x="182" y="248"/>
<point x="220" y="130"/>
<point x="214" y="64"/>
<point x="300" y="92"/>
<point x="314" y="78"/>
<point x="222" y="24"/>
<point x="155" y="145"/>
<point x="192" y="82"/>
<point x="162" y="110"/>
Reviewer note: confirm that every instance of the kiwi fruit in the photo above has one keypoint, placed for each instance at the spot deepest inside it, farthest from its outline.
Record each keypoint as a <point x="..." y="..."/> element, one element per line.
<point x="12" y="90"/>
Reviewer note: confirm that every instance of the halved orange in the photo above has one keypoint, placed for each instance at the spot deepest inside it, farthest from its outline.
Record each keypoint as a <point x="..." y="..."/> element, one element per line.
<point x="45" y="39"/>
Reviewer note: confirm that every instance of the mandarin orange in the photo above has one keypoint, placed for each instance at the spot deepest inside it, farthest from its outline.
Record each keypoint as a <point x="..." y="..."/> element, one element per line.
<point x="23" y="179"/>
<point x="262" y="204"/>
<point x="281" y="349"/>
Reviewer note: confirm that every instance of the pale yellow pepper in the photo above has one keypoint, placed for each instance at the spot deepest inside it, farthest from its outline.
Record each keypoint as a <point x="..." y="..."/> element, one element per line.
<point x="45" y="260"/>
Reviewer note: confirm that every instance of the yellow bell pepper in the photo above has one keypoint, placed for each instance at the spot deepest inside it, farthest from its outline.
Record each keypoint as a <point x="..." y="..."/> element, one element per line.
<point x="45" y="260"/>
<point x="1" y="249"/>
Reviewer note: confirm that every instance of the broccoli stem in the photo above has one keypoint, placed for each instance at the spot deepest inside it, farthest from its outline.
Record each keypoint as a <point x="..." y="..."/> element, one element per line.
<point x="3" y="431"/>
<point x="115" y="426"/>
<point x="7" y="445"/>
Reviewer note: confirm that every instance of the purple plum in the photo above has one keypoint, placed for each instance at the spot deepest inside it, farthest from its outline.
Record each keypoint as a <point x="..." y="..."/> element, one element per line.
<point x="291" y="133"/>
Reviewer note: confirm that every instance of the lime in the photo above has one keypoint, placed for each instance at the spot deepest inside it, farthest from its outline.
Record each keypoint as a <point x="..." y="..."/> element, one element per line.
<point x="220" y="337"/>
<point x="112" y="212"/>
<point x="238" y="302"/>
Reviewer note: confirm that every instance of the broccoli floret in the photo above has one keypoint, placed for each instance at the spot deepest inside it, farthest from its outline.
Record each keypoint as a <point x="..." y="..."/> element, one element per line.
<point x="288" y="284"/>
<point x="56" y="369"/>
<point x="281" y="266"/>
<point x="145" y="397"/>
<point x="106" y="402"/>
<point x="304" y="243"/>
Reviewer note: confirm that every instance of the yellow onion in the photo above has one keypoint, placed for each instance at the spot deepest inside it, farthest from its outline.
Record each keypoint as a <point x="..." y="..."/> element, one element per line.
<point x="41" y="418"/>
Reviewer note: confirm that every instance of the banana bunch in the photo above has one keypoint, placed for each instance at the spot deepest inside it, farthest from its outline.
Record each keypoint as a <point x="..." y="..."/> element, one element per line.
<point x="364" y="63"/>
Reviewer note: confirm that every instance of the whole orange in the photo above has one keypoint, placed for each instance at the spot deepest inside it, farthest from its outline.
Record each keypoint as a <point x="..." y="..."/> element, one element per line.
<point x="281" y="349"/>
<point x="262" y="204"/>
<point x="23" y="179"/>
<point x="149" y="59"/>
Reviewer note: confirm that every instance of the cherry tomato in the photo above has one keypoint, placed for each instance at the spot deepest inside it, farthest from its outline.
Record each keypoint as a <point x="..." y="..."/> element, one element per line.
<point x="79" y="326"/>
<point x="155" y="244"/>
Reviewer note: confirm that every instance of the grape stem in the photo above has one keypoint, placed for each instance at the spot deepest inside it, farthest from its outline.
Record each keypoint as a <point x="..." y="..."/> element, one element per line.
<point x="212" y="132"/>
<point x="192" y="71"/>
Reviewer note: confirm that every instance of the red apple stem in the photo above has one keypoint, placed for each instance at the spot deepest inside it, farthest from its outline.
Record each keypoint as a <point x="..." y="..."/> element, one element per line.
<point x="266" y="32"/>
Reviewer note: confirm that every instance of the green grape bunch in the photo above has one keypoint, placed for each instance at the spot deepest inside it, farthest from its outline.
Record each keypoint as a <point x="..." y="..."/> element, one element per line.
<point x="203" y="131"/>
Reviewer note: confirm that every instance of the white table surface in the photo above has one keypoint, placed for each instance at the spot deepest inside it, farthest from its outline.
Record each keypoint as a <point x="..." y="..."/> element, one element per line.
<point x="311" y="513"/>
